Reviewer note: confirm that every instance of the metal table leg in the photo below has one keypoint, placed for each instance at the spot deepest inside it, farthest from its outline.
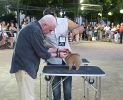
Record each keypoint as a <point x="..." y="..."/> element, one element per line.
<point x="98" y="87"/>
<point x="87" y="90"/>
<point x="84" y="87"/>
<point x="50" y="88"/>
<point x="47" y="90"/>
<point x="40" y="86"/>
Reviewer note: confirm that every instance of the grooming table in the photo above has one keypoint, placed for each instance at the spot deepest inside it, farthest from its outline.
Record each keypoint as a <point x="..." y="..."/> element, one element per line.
<point x="85" y="62"/>
<point x="84" y="71"/>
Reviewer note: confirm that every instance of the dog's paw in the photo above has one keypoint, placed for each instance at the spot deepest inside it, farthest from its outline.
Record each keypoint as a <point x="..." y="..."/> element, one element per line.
<point x="77" y="68"/>
<point x="70" y="68"/>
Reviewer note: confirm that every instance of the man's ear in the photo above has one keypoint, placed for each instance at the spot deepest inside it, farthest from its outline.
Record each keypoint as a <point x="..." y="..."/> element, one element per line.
<point x="55" y="15"/>
<point x="44" y="24"/>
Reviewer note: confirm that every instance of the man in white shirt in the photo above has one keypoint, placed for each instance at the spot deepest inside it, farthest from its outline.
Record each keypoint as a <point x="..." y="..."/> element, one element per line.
<point x="59" y="39"/>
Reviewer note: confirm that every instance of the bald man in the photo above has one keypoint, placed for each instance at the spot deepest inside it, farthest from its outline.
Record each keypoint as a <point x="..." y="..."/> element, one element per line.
<point x="28" y="51"/>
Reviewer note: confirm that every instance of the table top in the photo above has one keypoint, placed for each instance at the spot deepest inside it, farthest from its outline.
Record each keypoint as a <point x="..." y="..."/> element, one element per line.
<point x="85" y="61"/>
<point x="62" y="70"/>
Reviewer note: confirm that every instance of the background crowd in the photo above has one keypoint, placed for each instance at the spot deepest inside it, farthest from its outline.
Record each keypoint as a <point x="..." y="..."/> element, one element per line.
<point x="111" y="32"/>
<point x="8" y="33"/>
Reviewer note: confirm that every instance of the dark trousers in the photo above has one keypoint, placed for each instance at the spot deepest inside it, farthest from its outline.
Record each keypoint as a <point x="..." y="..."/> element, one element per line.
<point x="121" y="36"/>
<point x="67" y="86"/>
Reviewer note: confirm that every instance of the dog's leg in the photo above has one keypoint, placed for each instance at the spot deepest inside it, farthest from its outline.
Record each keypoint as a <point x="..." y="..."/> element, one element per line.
<point x="77" y="66"/>
<point x="70" y="66"/>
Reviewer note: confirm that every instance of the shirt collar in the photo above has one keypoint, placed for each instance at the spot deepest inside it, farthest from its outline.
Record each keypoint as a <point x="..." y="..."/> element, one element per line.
<point x="57" y="20"/>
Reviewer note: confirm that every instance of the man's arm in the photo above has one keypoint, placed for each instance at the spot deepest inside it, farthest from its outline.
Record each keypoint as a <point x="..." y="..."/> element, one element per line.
<point x="53" y="49"/>
<point x="75" y="28"/>
<point x="55" y="52"/>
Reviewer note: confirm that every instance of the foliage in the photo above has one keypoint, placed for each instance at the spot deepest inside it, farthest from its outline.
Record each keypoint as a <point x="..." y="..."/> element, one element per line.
<point x="9" y="16"/>
<point x="36" y="7"/>
<point x="2" y="8"/>
<point x="4" y="11"/>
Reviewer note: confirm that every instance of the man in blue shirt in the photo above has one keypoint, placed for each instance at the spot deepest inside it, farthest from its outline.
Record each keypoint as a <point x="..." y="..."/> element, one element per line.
<point x="28" y="51"/>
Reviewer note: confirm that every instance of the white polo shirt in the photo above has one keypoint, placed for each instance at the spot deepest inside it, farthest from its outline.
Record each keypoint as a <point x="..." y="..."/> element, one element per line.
<point x="53" y="38"/>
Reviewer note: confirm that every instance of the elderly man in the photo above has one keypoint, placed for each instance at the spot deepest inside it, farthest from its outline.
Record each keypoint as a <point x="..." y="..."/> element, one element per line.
<point x="28" y="51"/>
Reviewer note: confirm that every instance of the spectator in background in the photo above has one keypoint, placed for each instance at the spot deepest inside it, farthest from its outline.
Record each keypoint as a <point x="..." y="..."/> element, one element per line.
<point x="16" y="26"/>
<point x="4" y="33"/>
<point x="111" y="34"/>
<point x="107" y="30"/>
<point x="112" y="25"/>
<point x="16" y="31"/>
<point x="70" y="37"/>
<point x="84" y="35"/>
<point x="121" y="32"/>
<point x="26" y="21"/>
<point x="116" y="35"/>
<point x="89" y="32"/>
<point x="12" y="29"/>
<point x="96" y="31"/>
<point x="0" y="30"/>
<point x="80" y="34"/>
<point x="23" y="24"/>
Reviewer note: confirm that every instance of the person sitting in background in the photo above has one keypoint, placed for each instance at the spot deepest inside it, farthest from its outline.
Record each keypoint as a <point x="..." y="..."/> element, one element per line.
<point x="4" y="33"/>
<point x="11" y="29"/>
<point x="121" y="32"/>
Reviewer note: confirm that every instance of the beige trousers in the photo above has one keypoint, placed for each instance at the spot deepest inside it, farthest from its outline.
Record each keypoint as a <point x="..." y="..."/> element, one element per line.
<point x="25" y="84"/>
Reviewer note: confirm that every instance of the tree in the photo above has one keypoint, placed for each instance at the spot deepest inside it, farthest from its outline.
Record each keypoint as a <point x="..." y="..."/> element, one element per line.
<point x="114" y="7"/>
<point x="5" y="12"/>
<point x="71" y="7"/>
<point x="10" y="16"/>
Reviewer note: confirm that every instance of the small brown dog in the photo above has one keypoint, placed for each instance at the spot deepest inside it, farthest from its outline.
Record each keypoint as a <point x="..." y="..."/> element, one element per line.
<point x="73" y="59"/>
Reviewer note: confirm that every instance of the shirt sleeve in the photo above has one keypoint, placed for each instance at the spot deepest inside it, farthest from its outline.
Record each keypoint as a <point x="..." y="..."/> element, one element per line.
<point x="38" y="46"/>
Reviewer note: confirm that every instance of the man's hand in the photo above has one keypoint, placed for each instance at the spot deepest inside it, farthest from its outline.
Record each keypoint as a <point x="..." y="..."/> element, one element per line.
<point x="62" y="54"/>
<point x="63" y="50"/>
<point x="50" y="46"/>
<point x="75" y="31"/>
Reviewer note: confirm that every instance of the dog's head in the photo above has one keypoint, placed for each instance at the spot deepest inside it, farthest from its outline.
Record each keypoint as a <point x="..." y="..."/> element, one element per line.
<point x="68" y="53"/>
